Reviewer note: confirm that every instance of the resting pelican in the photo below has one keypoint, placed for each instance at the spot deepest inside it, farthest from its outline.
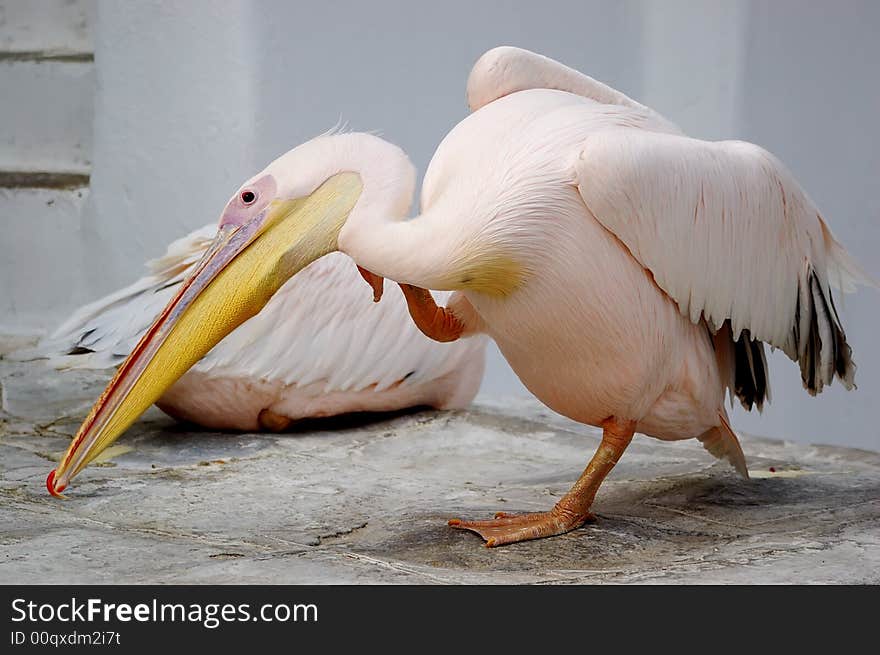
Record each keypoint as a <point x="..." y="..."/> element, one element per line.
<point x="319" y="347"/>
<point x="629" y="274"/>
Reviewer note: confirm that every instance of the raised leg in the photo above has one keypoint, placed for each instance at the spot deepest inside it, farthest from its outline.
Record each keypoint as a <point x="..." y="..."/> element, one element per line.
<point x="573" y="510"/>
<point x="443" y="324"/>
<point x="437" y="323"/>
<point x="376" y="282"/>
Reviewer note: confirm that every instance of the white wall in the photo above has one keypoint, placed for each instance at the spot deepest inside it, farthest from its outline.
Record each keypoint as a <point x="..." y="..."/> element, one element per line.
<point x="195" y="96"/>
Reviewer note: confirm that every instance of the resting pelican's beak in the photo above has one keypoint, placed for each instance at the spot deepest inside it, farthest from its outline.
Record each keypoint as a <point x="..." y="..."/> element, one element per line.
<point x="239" y="273"/>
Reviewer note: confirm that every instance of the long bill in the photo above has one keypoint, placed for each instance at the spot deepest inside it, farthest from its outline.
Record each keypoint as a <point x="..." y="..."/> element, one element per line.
<point x="236" y="277"/>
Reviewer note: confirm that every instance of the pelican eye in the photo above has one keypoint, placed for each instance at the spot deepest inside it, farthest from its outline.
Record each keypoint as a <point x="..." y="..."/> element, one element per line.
<point x="248" y="197"/>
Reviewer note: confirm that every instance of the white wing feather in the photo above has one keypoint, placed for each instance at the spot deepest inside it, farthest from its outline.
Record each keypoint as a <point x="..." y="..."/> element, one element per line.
<point x="729" y="234"/>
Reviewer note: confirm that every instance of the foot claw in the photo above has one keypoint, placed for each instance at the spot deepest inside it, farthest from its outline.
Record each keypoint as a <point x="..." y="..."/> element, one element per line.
<point x="510" y="528"/>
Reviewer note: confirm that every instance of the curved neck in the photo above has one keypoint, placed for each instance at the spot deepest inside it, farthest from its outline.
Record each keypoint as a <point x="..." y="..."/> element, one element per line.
<point x="377" y="234"/>
<point x="410" y="251"/>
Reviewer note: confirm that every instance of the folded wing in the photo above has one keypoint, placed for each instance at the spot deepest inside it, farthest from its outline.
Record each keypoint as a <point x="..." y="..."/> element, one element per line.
<point x="729" y="235"/>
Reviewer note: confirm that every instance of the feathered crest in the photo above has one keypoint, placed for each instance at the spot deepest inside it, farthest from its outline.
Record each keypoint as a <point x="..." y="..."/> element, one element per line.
<point x="342" y="126"/>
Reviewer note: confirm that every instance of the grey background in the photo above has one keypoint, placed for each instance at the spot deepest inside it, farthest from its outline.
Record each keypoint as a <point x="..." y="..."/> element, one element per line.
<point x="191" y="98"/>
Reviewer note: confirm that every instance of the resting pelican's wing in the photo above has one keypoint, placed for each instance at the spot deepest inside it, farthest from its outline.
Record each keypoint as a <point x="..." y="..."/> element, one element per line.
<point x="102" y="333"/>
<point x="505" y="70"/>
<point x="729" y="234"/>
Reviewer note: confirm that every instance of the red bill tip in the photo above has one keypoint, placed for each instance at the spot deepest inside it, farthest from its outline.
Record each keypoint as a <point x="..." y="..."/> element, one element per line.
<point x="50" y="485"/>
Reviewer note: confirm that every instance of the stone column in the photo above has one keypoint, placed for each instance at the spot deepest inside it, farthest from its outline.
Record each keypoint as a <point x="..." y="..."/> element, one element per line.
<point x="174" y="124"/>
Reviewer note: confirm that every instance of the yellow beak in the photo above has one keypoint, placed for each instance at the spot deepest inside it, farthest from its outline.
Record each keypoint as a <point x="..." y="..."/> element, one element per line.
<point x="234" y="280"/>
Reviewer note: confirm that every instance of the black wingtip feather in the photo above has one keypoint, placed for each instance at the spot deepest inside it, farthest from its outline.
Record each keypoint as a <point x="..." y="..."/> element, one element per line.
<point x="750" y="371"/>
<point x="815" y="356"/>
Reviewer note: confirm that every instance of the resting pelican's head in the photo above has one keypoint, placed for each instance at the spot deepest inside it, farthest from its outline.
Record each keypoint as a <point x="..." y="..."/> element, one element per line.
<point x="276" y="224"/>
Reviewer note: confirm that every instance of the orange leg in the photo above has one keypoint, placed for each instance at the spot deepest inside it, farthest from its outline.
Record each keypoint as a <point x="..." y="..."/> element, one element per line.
<point x="573" y="510"/>
<point x="376" y="282"/>
<point x="273" y="422"/>
<point x="437" y="323"/>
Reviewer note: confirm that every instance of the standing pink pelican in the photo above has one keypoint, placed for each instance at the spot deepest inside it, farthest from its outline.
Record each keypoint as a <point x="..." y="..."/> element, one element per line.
<point x="629" y="274"/>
